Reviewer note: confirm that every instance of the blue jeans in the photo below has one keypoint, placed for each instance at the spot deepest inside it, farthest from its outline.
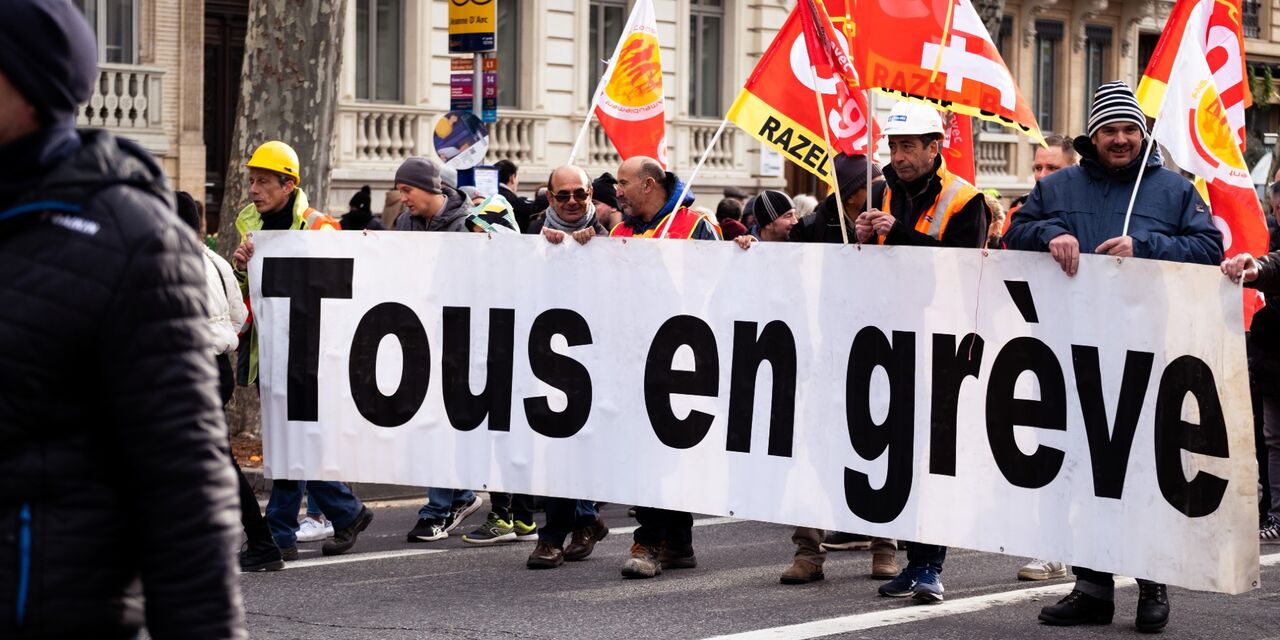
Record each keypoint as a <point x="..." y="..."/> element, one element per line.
<point x="925" y="555"/>
<point x="441" y="501"/>
<point x="335" y="499"/>
<point x="564" y="516"/>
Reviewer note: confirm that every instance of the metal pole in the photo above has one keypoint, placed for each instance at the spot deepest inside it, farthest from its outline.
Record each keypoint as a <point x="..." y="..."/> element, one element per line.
<point x="477" y="86"/>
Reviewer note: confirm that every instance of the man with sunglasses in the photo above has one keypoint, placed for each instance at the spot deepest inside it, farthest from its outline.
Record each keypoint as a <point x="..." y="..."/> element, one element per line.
<point x="572" y="211"/>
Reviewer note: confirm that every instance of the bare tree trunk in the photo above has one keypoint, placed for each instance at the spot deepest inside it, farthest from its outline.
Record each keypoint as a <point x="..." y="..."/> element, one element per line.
<point x="289" y="92"/>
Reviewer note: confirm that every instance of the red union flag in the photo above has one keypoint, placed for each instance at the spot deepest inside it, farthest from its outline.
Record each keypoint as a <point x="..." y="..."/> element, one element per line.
<point x="1193" y="122"/>
<point x="957" y="147"/>
<point x="777" y="104"/>
<point x="630" y="108"/>
<point x="938" y="51"/>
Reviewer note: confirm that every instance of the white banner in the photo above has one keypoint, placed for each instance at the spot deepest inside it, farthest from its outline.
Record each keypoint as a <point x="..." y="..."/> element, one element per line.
<point x="940" y="396"/>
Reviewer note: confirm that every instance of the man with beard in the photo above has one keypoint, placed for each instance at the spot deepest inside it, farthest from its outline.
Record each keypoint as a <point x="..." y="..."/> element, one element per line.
<point x="1083" y="208"/>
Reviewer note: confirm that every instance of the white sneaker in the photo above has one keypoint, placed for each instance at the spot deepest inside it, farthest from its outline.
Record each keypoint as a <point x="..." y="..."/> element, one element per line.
<point x="312" y="530"/>
<point x="1042" y="570"/>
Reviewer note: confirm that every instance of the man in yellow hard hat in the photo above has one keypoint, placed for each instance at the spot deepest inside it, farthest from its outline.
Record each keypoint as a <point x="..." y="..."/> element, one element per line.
<point x="280" y="205"/>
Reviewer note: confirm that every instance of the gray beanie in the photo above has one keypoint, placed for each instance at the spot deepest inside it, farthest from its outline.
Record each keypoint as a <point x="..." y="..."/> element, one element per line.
<point x="421" y="173"/>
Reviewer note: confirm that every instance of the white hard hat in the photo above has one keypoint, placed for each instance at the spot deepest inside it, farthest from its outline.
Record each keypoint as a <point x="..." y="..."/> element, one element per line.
<point x="912" y="119"/>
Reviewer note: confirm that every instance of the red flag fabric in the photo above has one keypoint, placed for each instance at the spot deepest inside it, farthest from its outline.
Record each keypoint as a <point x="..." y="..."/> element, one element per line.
<point x="631" y="108"/>
<point x="957" y="147"/>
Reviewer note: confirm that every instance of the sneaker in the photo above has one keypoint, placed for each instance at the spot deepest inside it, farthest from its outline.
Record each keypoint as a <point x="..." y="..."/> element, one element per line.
<point x="677" y="557"/>
<point x="840" y="541"/>
<point x="493" y="531"/>
<point x="312" y="530"/>
<point x="461" y="511"/>
<point x="1078" y="608"/>
<point x="427" y="530"/>
<point x="801" y="572"/>
<point x="545" y="556"/>
<point x="1153" y="607"/>
<point x="901" y="586"/>
<point x="525" y="532"/>
<point x="643" y="562"/>
<point x="289" y="554"/>
<point x="884" y="566"/>
<point x="928" y="587"/>
<point x="1270" y="533"/>
<point x="584" y="540"/>
<point x="345" y="538"/>
<point x="262" y="556"/>
<point x="1042" y="570"/>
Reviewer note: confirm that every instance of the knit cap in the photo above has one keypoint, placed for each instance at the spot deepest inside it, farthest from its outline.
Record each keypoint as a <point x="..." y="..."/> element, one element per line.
<point x="771" y="205"/>
<point x="1114" y="102"/>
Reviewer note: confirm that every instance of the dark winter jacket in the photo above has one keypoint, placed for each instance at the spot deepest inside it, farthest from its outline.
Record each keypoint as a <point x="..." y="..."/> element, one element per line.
<point x="823" y="225"/>
<point x="451" y="217"/>
<point x="115" y="480"/>
<point x="361" y="220"/>
<point x="1088" y="201"/>
<point x="524" y="208"/>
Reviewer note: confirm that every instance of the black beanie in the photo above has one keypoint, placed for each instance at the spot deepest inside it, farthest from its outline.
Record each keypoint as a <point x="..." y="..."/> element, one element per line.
<point x="50" y="54"/>
<point x="851" y="173"/>
<point x="771" y="205"/>
<point x="189" y="211"/>
<point x="603" y="190"/>
<point x="362" y="200"/>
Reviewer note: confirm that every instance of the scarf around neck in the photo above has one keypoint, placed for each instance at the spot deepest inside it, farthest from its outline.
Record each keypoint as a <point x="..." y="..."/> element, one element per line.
<point x="554" y="221"/>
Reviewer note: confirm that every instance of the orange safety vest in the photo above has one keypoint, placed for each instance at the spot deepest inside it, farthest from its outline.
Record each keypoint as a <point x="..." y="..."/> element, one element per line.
<point x="313" y="220"/>
<point x="955" y="194"/>
<point x="679" y="225"/>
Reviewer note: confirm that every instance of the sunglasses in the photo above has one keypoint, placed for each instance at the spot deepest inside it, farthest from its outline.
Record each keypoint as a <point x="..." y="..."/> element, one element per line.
<point x="580" y="195"/>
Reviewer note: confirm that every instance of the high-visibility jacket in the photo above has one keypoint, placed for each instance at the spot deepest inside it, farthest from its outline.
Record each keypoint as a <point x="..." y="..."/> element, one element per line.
<point x="679" y="224"/>
<point x="952" y="198"/>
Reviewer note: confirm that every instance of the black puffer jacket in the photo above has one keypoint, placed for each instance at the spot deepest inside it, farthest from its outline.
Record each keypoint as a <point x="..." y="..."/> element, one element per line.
<point x="115" y="481"/>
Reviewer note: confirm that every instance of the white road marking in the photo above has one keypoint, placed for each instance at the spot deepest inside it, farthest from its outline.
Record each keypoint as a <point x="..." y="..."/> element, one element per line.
<point x="874" y="619"/>
<point x="703" y="522"/>
<point x="360" y="557"/>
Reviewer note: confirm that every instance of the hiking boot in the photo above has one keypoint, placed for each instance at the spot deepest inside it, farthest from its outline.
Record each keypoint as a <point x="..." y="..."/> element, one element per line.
<point x="312" y="530"/>
<point x="1078" y="608"/>
<point x="840" y="541"/>
<point x="1270" y="532"/>
<point x="584" y="540"/>
<point x="1153" y="607"/>
<point x="493" y="531"/>
<point x="801" y="572"/>
<point x="427" y="530"/>
<point x="884" y="566"/>
<point x="643" y="562"/>
<point x="1042" y="570"/>
<point x="289" y="554"/>
<point x="545" y="556"/>
<point x="677" y="557"/>
<point x="461" y="511"/>
<point x="525" y="531"/>
<point x="262" y="556"/>
<point x="901" y="586"/>
<point x="345" y="538"/>
<point x="928" y="586"/>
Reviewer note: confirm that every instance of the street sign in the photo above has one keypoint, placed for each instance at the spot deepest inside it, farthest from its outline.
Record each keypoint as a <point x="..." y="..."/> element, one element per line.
<point x="461" y="139"/>
<point x="471" y="25"/>
<point x="462" y="89"/>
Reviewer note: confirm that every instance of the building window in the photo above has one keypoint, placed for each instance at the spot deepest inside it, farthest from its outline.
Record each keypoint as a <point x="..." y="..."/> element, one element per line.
<point x="1004" y="45"/>
<point x="116" y="24"/>
<point x="1097" y="43"/>
<point x="508" y="37"/>
<point x="1048" y="38"/>
<point x="706" y="44"/>
<point x="378" y="50"/>
<point x="1146" y="48"/>
<point x="608" y="17"/>
<point x="1252" y="24"/>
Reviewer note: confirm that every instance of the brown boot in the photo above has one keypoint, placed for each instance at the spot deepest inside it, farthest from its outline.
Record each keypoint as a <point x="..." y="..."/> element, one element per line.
<point x="584" y="541"/>
<point x="545" y="556"/>
<point x="802" y="572"/>
<point x="883" y="566"/>
<point x="643" y="562"/>
<point x="674" y="556"/>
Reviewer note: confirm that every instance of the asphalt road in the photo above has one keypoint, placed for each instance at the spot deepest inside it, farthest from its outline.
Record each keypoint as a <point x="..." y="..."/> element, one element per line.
<point x="389" y="589"/>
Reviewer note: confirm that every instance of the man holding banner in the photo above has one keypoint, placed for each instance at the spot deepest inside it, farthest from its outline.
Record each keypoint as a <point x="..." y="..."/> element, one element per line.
<point x="1170" y="222"/>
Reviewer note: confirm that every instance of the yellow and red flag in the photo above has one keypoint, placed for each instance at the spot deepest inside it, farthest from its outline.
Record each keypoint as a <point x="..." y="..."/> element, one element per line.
<point x="939" y="52"/>
<point x="957" y="147"/>
<point x="631" y="108"/>
<point x="1193" y="123"/>
<point x="777" y="104"/>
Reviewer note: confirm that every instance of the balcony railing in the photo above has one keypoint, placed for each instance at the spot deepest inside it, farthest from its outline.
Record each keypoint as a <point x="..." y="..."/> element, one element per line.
<point x="128" y="100"/>
<point x="383" y="135"/>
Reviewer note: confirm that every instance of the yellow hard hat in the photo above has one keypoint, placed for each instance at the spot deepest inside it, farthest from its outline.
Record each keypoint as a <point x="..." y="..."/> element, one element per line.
<point x="278" y="157"/>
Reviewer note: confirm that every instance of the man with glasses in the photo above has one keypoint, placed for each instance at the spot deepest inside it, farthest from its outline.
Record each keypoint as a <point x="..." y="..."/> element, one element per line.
<point x="573" y="209"/>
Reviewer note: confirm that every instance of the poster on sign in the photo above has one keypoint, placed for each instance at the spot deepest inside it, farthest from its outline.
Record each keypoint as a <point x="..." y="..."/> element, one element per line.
<point x="985" y="401"/>
<point x="461" y="139"/>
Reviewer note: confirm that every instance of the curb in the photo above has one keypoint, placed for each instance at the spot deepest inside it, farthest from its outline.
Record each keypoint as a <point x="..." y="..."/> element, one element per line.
<point x="366" y="491"/>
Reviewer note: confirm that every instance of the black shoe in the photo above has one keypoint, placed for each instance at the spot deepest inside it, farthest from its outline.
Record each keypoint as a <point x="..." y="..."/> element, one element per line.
<point x="1078" y="608"/>
<point x="1153" y="607"/>
<point x="345" y="538"/>
<point x="262" y="556"/>
<point x="427" y="530"/>
<point x="289" y="553"/>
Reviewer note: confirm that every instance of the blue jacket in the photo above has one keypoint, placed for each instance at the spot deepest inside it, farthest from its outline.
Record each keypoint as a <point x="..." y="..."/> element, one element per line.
<point x="1170" y="221"/>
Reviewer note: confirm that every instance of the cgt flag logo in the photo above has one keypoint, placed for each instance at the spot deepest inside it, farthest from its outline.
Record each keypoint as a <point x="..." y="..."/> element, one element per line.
<point x="631" y="107"/>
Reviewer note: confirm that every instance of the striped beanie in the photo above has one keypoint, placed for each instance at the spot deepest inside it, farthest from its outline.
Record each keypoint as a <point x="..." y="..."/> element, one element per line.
<point x="771" y="205"/>
<point x="1114" y="102"/>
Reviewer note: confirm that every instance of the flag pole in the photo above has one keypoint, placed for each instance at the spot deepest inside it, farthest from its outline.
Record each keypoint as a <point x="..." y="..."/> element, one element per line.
<point x="604" y="82"/>
<point x="688" y="184"/>
<point x="1133" y="197"/>
<point x="871" y="116"/>
<point x="831" y="157"/>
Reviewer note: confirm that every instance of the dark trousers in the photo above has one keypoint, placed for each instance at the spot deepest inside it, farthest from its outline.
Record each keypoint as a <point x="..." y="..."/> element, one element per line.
<point x="1098" y="584"/>
<point x="926" y="555"/>
<point x="661" y="525"/>
<point x="564" y="516"/>
<point x="255" y="526"/>
<point x="512" y="506"/>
